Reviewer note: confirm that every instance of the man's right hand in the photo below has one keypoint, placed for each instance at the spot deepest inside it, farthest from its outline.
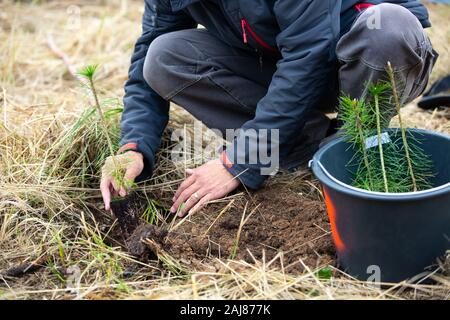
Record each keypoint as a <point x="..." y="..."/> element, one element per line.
<point x="131" y="162"/>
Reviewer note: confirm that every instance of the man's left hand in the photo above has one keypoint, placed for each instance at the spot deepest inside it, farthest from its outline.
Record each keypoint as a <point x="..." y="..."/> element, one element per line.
<point x="208" y="182"/>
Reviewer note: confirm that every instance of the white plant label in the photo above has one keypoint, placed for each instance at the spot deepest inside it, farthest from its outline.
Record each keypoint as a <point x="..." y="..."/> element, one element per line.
<point x="373" y="140"/>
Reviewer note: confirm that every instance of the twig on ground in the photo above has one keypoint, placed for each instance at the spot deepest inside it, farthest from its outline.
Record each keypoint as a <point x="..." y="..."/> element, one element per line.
<point x="65" y="58"/>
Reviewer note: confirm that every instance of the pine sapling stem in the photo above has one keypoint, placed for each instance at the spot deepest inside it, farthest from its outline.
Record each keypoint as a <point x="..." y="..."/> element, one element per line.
<point x="402" y="127"/>
<point x="103" y="121"/>
<point x="380" y="145"/>
<point x="362" y="142"/>
<point x="88" y="73"/>
<point x="102" y="117"/>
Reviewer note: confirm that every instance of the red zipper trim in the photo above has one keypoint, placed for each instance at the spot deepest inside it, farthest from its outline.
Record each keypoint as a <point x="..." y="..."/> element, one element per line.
<point x="244" y="32"/>
<point x="361" y="6"/>
<point x="245" y="27"/>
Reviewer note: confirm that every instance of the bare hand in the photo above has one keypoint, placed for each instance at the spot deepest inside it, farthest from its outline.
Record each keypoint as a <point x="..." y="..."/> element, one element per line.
<point x="132" y="163"/>
<point x="208" y="182"/>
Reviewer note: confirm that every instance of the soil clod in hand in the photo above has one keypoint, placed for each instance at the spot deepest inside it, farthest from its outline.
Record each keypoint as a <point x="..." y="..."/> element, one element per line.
<point x="127" y="211"/>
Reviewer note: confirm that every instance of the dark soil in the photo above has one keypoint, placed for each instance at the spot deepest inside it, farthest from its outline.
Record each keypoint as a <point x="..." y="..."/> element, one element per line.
<point x="146" y="231"/>
<point x="281" y="221"/>
<point x="127" y="211"/>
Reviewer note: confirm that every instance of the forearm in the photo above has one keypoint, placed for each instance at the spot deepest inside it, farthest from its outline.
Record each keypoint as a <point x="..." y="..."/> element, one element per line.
<point x="145" y="113"/>
<point x="144" y="118"/>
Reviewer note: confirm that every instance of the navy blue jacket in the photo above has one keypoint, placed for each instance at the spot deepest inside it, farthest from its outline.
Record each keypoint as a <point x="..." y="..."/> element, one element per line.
<point x="303" y="33"/>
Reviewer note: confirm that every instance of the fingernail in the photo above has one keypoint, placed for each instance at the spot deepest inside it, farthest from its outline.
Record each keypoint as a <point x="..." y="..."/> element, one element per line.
<point x="172" y="210"/>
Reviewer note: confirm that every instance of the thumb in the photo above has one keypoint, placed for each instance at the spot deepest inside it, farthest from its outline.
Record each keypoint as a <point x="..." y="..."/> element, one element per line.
<point x="132" y="173"/>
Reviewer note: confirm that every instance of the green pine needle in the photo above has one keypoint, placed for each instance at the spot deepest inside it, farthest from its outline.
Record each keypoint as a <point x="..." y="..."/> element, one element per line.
<point x="89" y="71"/>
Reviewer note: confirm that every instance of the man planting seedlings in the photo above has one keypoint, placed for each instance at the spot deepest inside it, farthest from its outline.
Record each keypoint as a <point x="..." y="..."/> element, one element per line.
<point x="269" y="68"/>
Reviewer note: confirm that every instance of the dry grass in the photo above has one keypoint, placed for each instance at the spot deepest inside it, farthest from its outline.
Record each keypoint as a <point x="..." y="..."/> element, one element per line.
<point x="51" y="148"/>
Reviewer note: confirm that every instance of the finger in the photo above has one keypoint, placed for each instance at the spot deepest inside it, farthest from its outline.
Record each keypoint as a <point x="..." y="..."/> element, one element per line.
<point x="185" y="184"/>
<point x="186" y="194"/>
<point x="114" y="193"/>
<point x="106" y="192"/>
<point x="107" y="167"/>
<point x="189" y="171"/>
<point x="115" y="185"/>
<point x="201" y="204"/>
<point x="192" y="201"/>
<point x="122" y="192"/>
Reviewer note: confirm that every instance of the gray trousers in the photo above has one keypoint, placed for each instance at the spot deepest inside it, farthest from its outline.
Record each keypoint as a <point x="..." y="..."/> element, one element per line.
<point x="221" y="85"/>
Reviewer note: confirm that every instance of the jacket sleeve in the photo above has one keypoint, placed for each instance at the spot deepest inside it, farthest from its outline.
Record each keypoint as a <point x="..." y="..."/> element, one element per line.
<point x="307" y="41"/>
<point x="145" y="113"/>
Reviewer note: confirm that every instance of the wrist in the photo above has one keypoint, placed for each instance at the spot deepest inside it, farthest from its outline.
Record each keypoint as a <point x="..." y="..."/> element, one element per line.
<point x="134" y="154"/>
<point x="127" y="147"/>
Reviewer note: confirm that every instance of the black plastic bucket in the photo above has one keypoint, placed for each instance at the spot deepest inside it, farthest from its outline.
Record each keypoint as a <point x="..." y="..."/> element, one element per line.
<point x="392" y="236"/>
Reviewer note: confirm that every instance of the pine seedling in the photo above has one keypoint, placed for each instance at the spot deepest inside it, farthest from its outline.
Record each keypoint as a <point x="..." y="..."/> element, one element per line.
<point x="376" y="91"/>
<point x="354" y="115"/>
<point x="118" y="172"/>
<point x="88" y="73"/>
<point x="390" y="72"/>
<point x="383" y="163"/>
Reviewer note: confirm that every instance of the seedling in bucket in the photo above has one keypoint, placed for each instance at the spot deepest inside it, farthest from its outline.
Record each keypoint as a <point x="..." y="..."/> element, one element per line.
<point x="384" y="162"/>
<point x="387" y="190"/>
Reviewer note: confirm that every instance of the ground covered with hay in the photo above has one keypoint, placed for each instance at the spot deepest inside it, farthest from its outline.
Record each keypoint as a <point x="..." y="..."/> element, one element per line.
<point x="56" y="241"/>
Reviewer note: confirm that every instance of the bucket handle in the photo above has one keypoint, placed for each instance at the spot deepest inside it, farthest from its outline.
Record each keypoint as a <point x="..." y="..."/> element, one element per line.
<point x="402" y="194"/>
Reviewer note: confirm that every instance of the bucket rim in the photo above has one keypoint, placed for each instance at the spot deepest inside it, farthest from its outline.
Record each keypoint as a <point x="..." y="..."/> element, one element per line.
<point x="334" y="183"/>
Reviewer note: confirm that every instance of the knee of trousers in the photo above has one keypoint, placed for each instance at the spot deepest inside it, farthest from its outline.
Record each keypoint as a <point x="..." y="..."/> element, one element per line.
<point x="168" y="64"/>
<point x="385" y="33"/>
